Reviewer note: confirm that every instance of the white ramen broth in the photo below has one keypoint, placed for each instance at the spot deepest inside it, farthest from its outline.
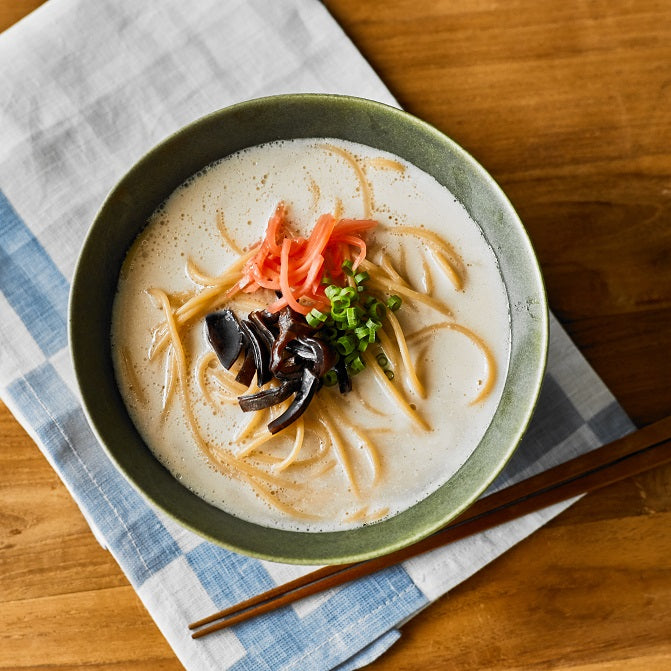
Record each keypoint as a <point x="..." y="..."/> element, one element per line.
<point x="353" y="458"/>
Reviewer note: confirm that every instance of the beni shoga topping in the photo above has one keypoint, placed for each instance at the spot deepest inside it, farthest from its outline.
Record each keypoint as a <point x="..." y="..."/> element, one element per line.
<point x="321" y="322"/>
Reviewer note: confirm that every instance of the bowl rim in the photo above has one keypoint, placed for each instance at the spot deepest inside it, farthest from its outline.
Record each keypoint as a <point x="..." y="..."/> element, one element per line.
<point x="407" y="533"/>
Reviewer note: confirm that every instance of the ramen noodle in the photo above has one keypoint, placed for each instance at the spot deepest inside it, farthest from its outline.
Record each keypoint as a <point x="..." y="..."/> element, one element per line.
<point x="432" y="379"/>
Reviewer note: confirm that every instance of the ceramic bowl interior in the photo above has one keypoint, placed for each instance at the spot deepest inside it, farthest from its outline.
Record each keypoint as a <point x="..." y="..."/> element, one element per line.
<point x="156" y="175"/>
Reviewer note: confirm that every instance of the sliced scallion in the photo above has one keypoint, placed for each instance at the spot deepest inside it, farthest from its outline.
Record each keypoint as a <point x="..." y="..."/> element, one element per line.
<point x="346" y="344"/>
<point x="330" y="378"/>
<point x="394" y="302"/>
<point x="315" y="318"/>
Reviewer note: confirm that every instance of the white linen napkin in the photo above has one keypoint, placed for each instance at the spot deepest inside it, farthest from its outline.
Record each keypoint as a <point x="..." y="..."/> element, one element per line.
<point x="86" y="89"/>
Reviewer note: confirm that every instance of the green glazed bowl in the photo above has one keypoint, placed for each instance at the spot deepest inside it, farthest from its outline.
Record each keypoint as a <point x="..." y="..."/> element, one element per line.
<point x="152" y="180"/>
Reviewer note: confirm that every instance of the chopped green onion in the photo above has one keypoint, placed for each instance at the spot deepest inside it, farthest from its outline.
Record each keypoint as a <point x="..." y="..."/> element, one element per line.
<point x="361" y="332"/>
<point x="389" y="373"/>
<point x="338" y="303"/>
<point x="315" y="318"/>
<point x="345" y="344"/>
<point x="376" y="310"/>
<point x="332" y="291"/>
<point x="356" y="365"/>
<point x="394" y="302"/>
<point x="330" y="378"/>
<point x="352" y="322"/>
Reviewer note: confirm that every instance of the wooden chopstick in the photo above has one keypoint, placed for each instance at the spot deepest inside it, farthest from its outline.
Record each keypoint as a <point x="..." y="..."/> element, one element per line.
<point x="635" y="453"/>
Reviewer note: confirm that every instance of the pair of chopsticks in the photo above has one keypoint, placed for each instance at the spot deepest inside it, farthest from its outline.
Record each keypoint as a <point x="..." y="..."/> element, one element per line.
<point x="635" y="453"/>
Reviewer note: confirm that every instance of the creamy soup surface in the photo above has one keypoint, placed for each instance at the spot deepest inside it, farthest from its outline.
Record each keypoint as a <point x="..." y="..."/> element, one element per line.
<point x="362" y="457"/>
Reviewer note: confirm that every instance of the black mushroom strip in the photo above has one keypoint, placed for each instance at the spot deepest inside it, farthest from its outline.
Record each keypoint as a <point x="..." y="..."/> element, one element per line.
<point x="259" y="350"/>
<point x="344" y="379"/>
<point x="290" y="325"/>
<point x="309" y="385"/>
<point x="229" y="339"/>
<point x="247" y="370"/>
<point x="268" y="397"/>
<point x="316" y="354"/>
<point x="265" y="322"/>
<point x="225" y="336"/>
<point x="281" y="346"/>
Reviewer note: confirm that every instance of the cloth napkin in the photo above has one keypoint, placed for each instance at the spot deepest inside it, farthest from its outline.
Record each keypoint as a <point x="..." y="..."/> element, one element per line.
<point x="86" y="89"/>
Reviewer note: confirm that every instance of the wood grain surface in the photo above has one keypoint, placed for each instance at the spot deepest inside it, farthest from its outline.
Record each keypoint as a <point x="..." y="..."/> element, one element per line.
<point x="568" y="105"/>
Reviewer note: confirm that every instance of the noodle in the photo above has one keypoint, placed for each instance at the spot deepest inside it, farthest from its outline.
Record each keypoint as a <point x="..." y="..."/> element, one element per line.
<point x="256" y="419"/>
<point x="365" y="404"/>
<point x="339" y="449"/>
<point x="331" y="419"/>
<point x="427" y="279"/>
<point x="387" y="385"/>
<point x="177" y="352"/>
<point x="201" y="369"/>
<point x="388" y="348"/>
<point x="386" y="265"/>
<point x="403" y="290"/>
<point x="298" y="444"/>
<point x="169" y="384"/>
<point x="448" y="269"/>
<point x="131" y="377"/>
<point x="225" y="381"/>
<point x="283" y="469"/>
<point x="490" y="361"/>
<point x="272" y="459"/>
<point x="229" y="388"/>
<point x="385" y="164"/>
<point x="257" y="442"/>
<point x="370" y="449"/>
<point x="267" y="496"/>
<point x="202" y="302"/>
<point x="365" y="187"/>
<point x="325" y="469"/>
<point x="240" y="468"/>
<point x="443" y="248"/>
<point x="197" y="276"/>
<point x="223" y="231"/>
<point x="216" y="457"/>
<point x="416" y="385"/>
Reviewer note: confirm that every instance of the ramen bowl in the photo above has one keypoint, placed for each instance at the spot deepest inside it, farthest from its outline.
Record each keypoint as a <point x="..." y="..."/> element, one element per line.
<point x="149" y="183"/>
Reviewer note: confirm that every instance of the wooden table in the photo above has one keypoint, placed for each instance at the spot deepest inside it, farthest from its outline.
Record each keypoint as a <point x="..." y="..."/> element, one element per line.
<point x="568" y="105"/>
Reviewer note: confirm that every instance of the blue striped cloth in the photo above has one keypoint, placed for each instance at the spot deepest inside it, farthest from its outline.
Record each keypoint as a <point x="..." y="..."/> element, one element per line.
<point x="86" y="88"/>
